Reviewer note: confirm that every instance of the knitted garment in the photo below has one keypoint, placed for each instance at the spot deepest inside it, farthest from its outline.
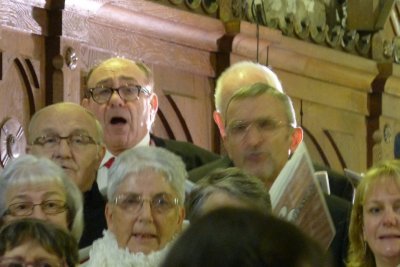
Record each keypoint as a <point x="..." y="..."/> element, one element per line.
<point x="106" y="253"/>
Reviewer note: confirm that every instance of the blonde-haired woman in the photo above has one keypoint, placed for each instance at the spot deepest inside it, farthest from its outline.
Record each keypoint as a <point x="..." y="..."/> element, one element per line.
<point x="375" y="219"/>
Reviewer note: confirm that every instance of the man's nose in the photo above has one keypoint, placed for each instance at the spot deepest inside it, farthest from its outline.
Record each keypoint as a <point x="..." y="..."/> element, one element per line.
<point x="116" y="100"/>
<point x="253" y="135"/>
<point x="63" y="149"/>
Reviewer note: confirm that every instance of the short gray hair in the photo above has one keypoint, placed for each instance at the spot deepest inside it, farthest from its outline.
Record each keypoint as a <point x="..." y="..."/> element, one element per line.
<point x="233" y="181"/>
<point x="258" y="89"/>
<point x="237" y="70"/>
<point x="28" y="169"/>
<point x="138" y="159"/>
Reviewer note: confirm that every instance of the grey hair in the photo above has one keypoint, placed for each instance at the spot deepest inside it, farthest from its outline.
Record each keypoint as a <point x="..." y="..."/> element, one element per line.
<point x="28" y="169"/>
<point x="138" y="159"/>
<point x="236" y="72"/>
<point x="258" y="89"/>
<point x="233" y="181"/>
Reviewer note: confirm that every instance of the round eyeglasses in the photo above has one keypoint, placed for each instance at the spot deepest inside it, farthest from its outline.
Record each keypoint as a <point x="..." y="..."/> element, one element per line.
<point x="102" y="94"/>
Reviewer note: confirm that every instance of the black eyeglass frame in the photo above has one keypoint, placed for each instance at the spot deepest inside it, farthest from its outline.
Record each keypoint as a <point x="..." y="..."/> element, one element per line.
<point x="139" y="88"/>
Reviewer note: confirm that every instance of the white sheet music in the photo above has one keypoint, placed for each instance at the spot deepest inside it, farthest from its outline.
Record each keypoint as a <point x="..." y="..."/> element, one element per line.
<point x="296" y="196"/>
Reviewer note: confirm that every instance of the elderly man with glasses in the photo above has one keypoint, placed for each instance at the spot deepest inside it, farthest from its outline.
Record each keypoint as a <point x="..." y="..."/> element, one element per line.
<point x="120" y="93"/>
<point x="70" y="135"/>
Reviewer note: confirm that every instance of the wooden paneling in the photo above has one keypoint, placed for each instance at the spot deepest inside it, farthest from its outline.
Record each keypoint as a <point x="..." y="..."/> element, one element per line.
<point x="21" y="87"/>
<point x="347" y="104"/>
<point x="184" y="51"/>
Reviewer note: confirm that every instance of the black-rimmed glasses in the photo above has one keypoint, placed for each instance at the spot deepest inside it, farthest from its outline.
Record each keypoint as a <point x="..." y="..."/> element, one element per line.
<point x="26" y="208"/>
<point x="102" y="94"/>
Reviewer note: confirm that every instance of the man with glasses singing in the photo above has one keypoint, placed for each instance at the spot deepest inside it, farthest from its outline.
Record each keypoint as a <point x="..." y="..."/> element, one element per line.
<point x="70" y="135"/>
<point x="120" y="93"/>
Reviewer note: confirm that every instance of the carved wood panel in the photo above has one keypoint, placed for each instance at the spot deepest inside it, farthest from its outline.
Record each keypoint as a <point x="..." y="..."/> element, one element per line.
<point x="21" y="88"/>
<point x="182" y="49"/>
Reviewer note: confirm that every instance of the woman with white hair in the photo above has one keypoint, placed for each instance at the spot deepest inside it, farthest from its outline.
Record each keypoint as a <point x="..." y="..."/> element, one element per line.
<point x="145" y="209"/>
<point x="38" y="188"/>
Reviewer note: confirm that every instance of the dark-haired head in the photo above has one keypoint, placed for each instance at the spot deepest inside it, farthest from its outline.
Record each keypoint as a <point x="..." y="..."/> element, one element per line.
<point x="51" y="238"/>
<point x="244" y="238"/>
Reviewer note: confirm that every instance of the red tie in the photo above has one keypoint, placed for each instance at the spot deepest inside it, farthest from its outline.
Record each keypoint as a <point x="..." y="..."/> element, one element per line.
<point x="109" y="163"/>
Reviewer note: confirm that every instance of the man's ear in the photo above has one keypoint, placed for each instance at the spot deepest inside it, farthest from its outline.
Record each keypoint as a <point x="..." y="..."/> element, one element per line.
<point x="154" y="106"/>
<point x="220" y="123"/>
<point x="295" y="139"/>
<point x="101" y="153"/>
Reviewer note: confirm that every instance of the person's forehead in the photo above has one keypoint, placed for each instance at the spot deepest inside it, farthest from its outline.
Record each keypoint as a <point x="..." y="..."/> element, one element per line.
<point x="65" y="119"/>
<point x="384" y="185"/>
<point x="147" y="180"/>
<point x="262" y="105"/>
<point x="116" y="70"/>
<point x="30" y="250"/>
<point x="35" y="190"/>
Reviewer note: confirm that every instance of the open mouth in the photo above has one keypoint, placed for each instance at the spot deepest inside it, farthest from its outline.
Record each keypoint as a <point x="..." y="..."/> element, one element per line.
<point x="389" y="236"/>
<point x="66" y="168"/>
<point x="144" y="236"/>
<point x="117" y="120"/>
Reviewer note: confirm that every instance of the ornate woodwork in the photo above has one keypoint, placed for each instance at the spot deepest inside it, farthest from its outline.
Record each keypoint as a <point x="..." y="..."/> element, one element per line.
<point x="340" y="70"/>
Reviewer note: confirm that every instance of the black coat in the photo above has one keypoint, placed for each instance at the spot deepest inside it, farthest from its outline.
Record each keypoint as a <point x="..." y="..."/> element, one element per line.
<point x="93" y="216"/>
<point x="339" y="209"/>
<point x="193" y="156"/>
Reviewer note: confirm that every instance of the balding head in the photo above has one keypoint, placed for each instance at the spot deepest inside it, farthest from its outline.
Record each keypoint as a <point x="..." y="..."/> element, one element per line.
<point x="71" y="136"/>
<point x="244" y="73"/>
<point x="240" y="74"/>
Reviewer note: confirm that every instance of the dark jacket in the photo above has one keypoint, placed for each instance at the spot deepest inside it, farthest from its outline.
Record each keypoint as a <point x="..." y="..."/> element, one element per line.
<point x="93" y="216"/>
<point x="339" y="209"/>
<point x="193" y="156"/>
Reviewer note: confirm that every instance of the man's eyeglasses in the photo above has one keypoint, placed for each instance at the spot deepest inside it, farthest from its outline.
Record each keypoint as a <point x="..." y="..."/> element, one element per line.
<point x="26" y="208"/>
<point x="238" y="129"/>
<point x="102" y="95"/>
<point x="76" y="141"/>
<point x="160" y="203"/>
<point x="19" y="262"/>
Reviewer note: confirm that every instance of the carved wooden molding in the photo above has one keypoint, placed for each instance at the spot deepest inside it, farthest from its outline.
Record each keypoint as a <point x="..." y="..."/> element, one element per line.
<point x="118" y="17"/>
<point x="12" y="140"/>
<point x="27" y="16"/>
<point x="149" y="32"/>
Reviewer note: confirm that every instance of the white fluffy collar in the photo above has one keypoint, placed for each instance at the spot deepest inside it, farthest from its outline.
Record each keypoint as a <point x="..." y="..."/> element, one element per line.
<point x="106" y="253"/>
